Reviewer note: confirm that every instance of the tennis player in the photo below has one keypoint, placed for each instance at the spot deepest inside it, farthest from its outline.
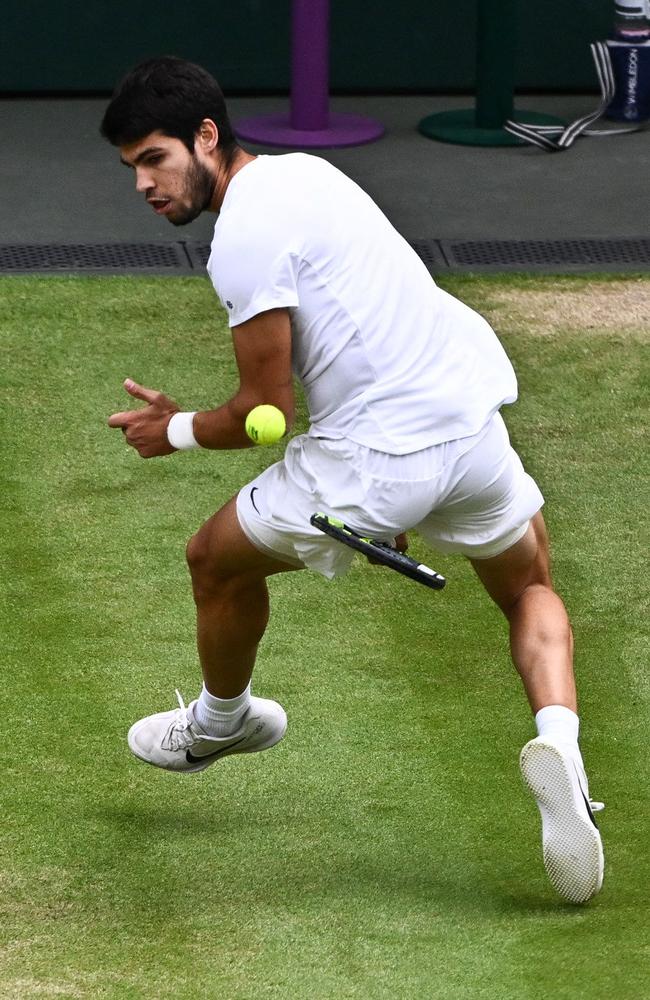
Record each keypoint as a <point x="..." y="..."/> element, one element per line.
<point x="404" y="386"/>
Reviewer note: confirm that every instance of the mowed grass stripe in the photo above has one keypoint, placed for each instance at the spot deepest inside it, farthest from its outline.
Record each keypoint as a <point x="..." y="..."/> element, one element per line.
<point x="386" y="849"/>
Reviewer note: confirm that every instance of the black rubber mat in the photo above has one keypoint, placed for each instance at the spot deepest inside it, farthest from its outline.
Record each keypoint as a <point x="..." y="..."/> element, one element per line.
<point x="98" y="257"/>
<point x="550" y="256"/>
<point x="431" y="253"/>
<point x="198" y="254"/>
<point x="522" y="255"/>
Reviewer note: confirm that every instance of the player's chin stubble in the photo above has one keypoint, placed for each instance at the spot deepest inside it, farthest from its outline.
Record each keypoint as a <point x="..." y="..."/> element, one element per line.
<point x="199" y="188"/>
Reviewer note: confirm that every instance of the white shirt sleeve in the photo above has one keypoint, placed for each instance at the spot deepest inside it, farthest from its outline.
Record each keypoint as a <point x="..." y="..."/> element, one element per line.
<point x="253" y="278"/>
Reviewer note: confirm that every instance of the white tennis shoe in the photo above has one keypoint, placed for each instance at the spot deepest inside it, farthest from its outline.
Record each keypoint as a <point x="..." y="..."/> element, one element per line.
<point x="573" y="850"/>
<point x="175" y="741"/>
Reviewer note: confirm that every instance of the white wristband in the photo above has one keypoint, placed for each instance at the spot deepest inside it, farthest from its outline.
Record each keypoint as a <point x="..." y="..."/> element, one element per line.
<point x="180" y="431"/>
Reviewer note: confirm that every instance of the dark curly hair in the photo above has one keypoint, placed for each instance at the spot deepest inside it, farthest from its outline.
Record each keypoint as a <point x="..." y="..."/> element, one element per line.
<point x="167" y="95"/>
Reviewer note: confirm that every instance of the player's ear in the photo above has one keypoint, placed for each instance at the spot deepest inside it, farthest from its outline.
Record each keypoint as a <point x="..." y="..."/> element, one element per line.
<point x="207" y="136"/>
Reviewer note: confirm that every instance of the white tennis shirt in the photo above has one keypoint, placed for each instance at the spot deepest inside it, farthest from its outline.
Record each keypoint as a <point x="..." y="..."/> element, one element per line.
<point x="385" y="357"/>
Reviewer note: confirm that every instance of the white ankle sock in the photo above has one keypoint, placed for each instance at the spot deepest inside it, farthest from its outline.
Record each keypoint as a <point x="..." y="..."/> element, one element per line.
<point x="221" y="716"/>
<point x="558" y="723"/>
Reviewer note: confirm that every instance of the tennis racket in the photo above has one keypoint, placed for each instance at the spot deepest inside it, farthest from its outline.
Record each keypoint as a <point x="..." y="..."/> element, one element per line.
<point x="380" y="552"/>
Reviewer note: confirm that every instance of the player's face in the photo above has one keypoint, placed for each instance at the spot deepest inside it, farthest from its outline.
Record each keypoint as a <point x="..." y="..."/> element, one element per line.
<point x="175" y="182"/>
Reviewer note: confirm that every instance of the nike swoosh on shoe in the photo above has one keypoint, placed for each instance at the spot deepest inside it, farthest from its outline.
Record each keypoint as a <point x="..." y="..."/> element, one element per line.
<point x="192" y="759"/>
<point x="587" y="801"/>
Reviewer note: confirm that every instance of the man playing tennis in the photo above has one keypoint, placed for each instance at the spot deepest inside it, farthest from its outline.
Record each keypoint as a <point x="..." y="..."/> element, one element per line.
<point x="403" y="384"/>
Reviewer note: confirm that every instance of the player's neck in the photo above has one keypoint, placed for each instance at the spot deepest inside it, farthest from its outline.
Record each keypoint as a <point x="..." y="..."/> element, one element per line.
<point x="226" y="174"/>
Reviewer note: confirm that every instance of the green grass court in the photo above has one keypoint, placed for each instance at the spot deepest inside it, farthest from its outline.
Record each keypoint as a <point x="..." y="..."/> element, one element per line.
<point x="386" y="849"/>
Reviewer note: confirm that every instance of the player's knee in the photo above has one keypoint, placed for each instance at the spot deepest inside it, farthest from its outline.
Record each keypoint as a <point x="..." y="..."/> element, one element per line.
<point x="202" y="563"/>
<point x="519" y="572"/>
<point x="212" y="575"/>
<point x="511" y="592"/>
<point x="532" y="590"/>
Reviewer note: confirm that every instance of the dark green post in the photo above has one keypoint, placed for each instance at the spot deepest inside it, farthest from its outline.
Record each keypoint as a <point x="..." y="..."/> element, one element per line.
<point x="495" y="62"/>
<point x="496" y="47"/>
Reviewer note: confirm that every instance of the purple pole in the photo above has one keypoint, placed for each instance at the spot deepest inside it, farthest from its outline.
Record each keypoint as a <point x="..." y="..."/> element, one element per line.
<point x="310" y="64"/>
<point x="309" y="125"/>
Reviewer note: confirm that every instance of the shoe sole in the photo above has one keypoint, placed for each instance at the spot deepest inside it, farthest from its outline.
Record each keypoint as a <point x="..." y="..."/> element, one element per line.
<point x="274" y="736"/>
<point x="573" y="852"/>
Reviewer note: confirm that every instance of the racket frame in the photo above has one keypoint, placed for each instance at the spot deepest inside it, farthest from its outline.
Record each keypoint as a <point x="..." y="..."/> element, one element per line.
<point x="381" y="552"/>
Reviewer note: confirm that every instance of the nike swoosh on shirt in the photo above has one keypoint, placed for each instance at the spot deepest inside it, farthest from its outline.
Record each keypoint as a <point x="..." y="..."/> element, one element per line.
<point x="253" y="499"/>
<point x="191" y="759"/>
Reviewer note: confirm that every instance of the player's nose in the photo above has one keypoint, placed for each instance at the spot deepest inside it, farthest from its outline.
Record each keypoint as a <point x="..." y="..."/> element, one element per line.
<point x="143" y="181"/>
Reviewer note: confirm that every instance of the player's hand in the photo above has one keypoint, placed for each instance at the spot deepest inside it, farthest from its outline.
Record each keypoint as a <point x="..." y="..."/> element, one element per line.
<point x="401" y="543"/>
<point x="146" y="429"/>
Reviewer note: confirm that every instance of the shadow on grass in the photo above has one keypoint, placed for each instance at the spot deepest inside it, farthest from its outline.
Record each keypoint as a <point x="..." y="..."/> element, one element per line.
<point x="313" y="867"/>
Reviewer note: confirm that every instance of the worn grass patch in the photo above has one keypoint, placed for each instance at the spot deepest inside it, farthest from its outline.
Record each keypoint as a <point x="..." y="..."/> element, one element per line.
<point x="617" y="306"/>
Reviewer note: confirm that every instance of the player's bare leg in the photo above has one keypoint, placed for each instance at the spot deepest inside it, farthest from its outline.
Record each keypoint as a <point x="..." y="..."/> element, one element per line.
<point x="229" y="583"/>
<point x="541" y="641"/>
<point x="232" y="601"/>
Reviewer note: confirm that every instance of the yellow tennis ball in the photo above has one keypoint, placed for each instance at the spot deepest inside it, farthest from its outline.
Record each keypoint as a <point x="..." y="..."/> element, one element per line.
<point x="265" y="424"/>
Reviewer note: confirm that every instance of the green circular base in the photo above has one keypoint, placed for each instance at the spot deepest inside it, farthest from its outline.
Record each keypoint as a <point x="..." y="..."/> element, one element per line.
<point x="460" y="127"/>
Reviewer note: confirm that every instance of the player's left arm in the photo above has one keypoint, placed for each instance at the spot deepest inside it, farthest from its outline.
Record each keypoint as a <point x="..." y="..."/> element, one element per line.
<point x="263" y="353"/>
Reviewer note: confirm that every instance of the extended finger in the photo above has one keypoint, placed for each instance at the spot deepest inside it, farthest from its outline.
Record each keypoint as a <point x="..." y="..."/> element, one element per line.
<point x="122" y="419"/>
<point x="140" y="392"/>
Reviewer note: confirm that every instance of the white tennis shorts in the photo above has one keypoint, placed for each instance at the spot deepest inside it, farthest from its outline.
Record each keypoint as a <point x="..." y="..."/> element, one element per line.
<point x="470" y="496"/>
